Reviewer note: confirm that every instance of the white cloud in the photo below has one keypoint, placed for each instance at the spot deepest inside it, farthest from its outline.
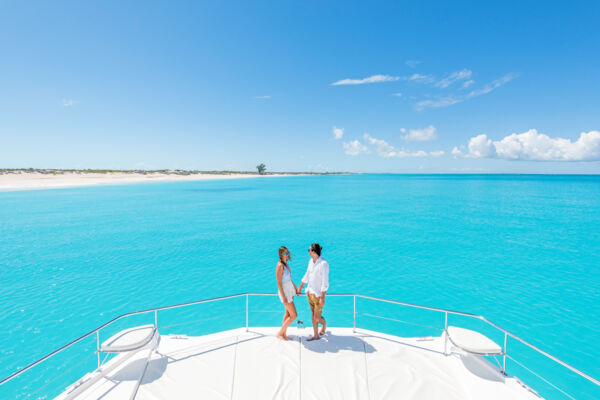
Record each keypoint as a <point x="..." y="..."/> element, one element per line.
<point x="419" y="78"/>
<point x="421" y="135"/>
<point x="413" y="63"/>
<point x="450" y="100"/>
<point x="384" y="149"/>
<point x="403" y="130"/>
<point x="381" y="146"/>
<point x="534" y="146"/>
<point x="397" y="94"/>
<point x="479" y="147"/>
<point x="69" y="102"/>
<point x="468" y="83"/>
<point x="262" y="97"/>
<point x="492" y="85"/>
<point x="338" y="132"/>
<point x="457" y="153"/>
<point x="369" y="79"/>
<point x="454" y="77"/>
<point x="440" y="102"/>
<point x="355" y="148"/>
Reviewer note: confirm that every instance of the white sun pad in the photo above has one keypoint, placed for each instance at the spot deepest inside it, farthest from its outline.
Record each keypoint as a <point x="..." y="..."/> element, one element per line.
<point x="473" y="342"/>
<point x="267" y="368"/>
<point x="343" y="365"/>
<point x="334" y="367"/>
<point x="191" y="368"/>
<point x="417" y="375"/>
<point x="128" y="339"/>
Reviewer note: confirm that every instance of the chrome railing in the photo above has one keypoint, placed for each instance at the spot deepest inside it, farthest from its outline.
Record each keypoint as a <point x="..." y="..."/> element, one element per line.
<point x="507" y="334"/>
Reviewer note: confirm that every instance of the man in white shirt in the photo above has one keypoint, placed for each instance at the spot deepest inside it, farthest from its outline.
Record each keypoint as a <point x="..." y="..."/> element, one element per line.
<point x="316" y="280"/>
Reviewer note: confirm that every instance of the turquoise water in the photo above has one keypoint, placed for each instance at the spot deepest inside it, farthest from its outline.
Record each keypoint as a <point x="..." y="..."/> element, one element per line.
<point x="522" y="250"/>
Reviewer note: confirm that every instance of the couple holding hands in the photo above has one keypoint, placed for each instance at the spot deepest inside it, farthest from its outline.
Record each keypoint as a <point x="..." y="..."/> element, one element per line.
<point x="316" y="280"/>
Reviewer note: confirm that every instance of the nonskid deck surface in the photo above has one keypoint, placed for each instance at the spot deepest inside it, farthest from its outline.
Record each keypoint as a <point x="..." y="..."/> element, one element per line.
<point x="344" y="365"/>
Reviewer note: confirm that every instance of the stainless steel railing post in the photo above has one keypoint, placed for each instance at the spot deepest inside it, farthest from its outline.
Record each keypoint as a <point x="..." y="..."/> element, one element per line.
<point x="98" y="348"/>
<point x="155" y="319"/>
<point x="504" y="356"/>
<point x="246" y="313"/>
<point x="446" y="333"/>
<point x="354" y="315"/>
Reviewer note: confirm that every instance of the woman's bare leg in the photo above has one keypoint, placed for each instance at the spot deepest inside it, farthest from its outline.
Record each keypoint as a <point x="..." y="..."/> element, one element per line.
<point x="291" y="309"/>
<point x="288" y="318"/>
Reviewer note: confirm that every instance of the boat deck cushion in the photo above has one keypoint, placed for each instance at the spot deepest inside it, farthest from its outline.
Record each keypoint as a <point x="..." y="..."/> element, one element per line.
<point x="342" y="365"/>
<point x="128" y="339"/>
<point x="473" y="342"/>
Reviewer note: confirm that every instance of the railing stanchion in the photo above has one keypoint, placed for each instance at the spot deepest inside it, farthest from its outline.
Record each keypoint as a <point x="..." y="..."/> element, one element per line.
<point x="354" y="315"/>
<point x="246" y="313"/>
<point x="504" y="356"/>
<point x="446" y="333"/>
<point x="98" y="348"/>
<point x="155" y="319"/>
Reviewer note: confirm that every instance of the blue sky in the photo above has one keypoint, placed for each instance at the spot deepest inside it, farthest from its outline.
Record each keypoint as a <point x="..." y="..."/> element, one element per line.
<point x="226" y="85"/>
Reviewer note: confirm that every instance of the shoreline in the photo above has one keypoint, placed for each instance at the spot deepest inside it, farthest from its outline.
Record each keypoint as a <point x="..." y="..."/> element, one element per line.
<point x="39" y="179"/>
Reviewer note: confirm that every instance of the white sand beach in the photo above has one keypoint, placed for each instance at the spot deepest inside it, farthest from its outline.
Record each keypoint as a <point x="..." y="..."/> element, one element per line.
<point x="26" y="180"/>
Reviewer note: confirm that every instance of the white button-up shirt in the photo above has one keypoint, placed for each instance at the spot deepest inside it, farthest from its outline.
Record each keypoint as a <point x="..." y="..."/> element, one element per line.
<point x="317" y="276"/>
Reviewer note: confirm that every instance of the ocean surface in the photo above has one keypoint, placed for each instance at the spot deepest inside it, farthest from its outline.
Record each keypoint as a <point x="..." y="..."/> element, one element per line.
<point x="524" y="251"/>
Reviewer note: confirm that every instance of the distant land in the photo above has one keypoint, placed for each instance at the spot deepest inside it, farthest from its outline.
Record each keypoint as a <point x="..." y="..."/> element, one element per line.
<point x="35" y="178"/>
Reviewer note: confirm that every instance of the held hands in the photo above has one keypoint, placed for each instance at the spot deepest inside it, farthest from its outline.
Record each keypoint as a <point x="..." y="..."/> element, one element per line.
<point x="298" y="291"/>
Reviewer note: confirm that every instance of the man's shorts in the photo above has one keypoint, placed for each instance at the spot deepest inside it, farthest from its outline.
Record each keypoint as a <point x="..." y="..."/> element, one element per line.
<point x="314" y="303"/>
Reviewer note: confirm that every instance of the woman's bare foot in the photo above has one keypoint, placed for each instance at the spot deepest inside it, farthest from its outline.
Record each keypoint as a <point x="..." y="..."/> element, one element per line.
<point x="322" y="332"/>
<point x="281" y="337"/>
<point x="286" y="337"/>
<point x="313" y="338"/>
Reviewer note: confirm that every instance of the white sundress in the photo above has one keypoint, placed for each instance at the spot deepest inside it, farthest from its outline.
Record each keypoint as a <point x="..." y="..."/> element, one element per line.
<point x="287" y="285"/>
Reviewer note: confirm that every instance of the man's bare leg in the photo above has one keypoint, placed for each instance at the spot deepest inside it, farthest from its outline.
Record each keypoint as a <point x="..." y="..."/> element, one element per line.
<point x="322" y="321"/>
<point x="316" y="318"/>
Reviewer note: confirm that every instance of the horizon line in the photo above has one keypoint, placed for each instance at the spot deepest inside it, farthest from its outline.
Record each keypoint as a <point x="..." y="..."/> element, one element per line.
<point x="198" y="171"/>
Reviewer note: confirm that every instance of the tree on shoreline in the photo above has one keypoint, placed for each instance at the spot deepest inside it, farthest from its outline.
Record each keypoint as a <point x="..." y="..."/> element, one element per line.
<point x="261" y="168"/>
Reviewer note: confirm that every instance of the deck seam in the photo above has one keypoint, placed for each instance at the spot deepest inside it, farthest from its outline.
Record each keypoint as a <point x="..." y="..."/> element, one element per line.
<point x="300" y="366"/>
<point x="237" y="340"/>
<point x="366" y="367"/>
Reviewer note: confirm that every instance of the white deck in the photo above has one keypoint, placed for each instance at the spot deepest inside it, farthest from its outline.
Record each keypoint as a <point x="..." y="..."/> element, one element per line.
<point x="342" y="365"/>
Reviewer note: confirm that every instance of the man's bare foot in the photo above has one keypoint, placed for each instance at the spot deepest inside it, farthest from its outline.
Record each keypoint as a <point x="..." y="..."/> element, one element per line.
<point x="313" y="338"/>
<point x="286" y="337"/>
<point x="281" y="337"/>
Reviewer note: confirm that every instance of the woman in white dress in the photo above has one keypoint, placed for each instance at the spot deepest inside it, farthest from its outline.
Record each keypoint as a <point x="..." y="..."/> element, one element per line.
<point x="286" y="289"/>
